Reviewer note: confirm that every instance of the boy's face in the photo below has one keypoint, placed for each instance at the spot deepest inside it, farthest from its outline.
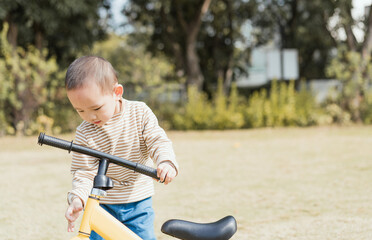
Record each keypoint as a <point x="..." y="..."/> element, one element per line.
<point x="93" y="105"/>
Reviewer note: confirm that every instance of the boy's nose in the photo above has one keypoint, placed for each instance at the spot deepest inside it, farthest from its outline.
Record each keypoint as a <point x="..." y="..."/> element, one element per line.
<point x="93" y="116"/>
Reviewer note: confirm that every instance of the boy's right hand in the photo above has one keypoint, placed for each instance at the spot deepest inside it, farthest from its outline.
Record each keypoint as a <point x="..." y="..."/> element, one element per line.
<point x="73" y="212"/>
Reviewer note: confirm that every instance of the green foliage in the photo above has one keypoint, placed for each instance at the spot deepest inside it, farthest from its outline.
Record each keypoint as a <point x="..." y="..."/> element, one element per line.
<point x="337" y="115"/>
<point x="283" y="106"/>
<point x="308" y="112"/>
<point x="24" y="75"/>
<point x="154" y="64"/>
<point x="64" y="27"/>
<point x="356" y="76"/>
<point x="255" y="114"/>
<point x="226" y="111"/>
<point x="367" y="107"/>
<point x="199" y="113"/>
<point x="139" y="71"/>
<point x="167" y="27"/>
<point x="302" y="26"/>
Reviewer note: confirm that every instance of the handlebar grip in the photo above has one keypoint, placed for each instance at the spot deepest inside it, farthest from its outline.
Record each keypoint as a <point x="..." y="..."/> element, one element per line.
<point x="54" y="142"/>
<point x="149" y="171"/>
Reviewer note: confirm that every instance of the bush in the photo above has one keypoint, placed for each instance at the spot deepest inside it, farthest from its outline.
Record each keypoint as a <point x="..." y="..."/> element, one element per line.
<point x="367" y="107"/>
<point x="355" y="73"/>
<point x="283" y="106"/>
<point x="199" y="113"/>
<point x="226" y="114"/>
<point x="256" y="112"/>
<point x="337" y="114"/>
<point x="24" y="74"/>
<point x="308" y="112"/>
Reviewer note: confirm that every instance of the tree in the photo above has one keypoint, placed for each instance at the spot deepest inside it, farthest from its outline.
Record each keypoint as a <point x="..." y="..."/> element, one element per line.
<point x="299" y="24"/>
<point x="198" y="36"/>
<point x="352" y="65"/>
<point x="176" y="27"/>
<point x="219" y="38"/>
<point x="63" y="27"/>
<point x="308" y="26"/>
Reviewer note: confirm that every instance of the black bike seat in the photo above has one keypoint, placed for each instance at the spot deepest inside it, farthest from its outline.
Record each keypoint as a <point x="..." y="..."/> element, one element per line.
<point x="223" y="229"/>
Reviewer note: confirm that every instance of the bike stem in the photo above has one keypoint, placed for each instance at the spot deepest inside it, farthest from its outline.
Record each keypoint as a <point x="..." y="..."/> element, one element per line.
<point x="101" y="181"/>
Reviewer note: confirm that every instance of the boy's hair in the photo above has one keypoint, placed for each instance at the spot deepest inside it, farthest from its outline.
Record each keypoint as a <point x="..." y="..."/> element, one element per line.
<point x="88" y="69"/>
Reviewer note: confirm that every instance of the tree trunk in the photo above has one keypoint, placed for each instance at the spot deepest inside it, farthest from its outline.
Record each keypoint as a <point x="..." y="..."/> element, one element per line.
<point x="367" y="45"/>
<point x="291" y="41"/>
<point x="193" y="72"/>
<point x="228" y="80"/>
<point x="39" y="37"/>
<point x="350" y="38"/>
<point x="12" y="34"/>
<point x="194" y="76"/>
<point x="228" y="70"/>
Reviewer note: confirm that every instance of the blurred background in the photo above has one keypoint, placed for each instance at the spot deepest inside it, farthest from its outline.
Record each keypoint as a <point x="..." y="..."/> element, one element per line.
<point x="199" y="64"/>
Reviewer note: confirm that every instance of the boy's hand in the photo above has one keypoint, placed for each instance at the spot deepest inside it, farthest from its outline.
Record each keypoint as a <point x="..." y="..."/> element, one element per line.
<point x="73" y="212"/>
<point x="166" y="172"/>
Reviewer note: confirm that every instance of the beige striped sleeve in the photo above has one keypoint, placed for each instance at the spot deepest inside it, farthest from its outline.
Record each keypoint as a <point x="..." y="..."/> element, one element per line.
<point x="159" y="145"/>
<point x="83" y="169"/>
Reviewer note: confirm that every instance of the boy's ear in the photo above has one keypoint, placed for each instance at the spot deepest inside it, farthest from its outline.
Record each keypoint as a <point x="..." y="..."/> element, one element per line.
<point x="118" y="91"/>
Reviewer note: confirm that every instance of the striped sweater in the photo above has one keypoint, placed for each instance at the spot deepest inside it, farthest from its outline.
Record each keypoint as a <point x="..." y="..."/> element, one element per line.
<point x="132" y="134"/>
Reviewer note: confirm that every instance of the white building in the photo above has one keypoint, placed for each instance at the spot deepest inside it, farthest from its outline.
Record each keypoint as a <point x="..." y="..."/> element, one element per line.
<point x="268" y="64"/>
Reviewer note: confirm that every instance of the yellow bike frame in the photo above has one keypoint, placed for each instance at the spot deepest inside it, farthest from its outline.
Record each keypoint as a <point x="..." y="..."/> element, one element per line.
<point x="97" y="219"/>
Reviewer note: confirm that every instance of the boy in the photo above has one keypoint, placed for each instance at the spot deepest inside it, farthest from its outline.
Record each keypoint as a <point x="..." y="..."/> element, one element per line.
<point x="127" y="129"/>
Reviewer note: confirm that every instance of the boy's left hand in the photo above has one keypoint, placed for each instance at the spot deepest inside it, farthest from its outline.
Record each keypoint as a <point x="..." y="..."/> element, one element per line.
<point x="166" y="172"/>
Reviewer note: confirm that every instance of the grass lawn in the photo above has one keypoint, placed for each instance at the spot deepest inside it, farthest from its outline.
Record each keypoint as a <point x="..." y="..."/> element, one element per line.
<point x="310" y="183"/>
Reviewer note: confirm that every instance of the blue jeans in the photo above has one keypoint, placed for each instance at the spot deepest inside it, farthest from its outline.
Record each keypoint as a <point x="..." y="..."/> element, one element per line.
<point x="138" y="217"/>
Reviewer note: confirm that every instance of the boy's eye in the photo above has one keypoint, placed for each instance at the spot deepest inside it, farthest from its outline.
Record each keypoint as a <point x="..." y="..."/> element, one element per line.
<point x="97" y="109"/>
<point x="80" y="111"/>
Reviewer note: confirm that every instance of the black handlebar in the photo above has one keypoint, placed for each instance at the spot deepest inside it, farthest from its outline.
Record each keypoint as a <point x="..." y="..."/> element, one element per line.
<point x="70" y="146"/>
